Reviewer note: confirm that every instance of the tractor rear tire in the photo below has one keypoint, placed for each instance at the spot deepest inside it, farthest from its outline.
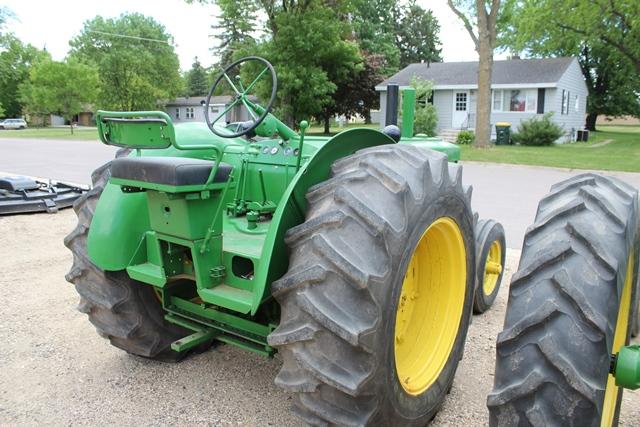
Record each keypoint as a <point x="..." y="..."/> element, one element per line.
<point x="491" y="249"/>
<point x="569" y="308"/>
<point x="122" y="310"/>
<point x="344" y="335"/>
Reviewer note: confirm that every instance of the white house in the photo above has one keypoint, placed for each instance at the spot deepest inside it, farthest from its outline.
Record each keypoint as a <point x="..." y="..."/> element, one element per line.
<point x="521" y="89"/>
<point x="191" y="109"/>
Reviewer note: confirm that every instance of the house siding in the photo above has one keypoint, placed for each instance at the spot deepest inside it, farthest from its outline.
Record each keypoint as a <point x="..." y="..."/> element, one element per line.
<point x="237" y="114"/>
<point x="443" y="101"/>
<point x="573" y="81"/>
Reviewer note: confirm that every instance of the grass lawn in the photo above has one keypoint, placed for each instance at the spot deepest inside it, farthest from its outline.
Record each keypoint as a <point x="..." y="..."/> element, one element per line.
<point x="623" y="154"/>
<point x="318" y="130"/>
<point x="82" y="133"/>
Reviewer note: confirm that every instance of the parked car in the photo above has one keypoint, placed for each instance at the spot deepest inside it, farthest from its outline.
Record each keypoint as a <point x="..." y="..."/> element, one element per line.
<point x="13" y="124"/>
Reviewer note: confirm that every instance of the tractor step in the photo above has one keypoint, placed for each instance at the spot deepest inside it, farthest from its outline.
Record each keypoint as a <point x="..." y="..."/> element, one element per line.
<point x="148" y="273"/>
<point x="228" y="297"/>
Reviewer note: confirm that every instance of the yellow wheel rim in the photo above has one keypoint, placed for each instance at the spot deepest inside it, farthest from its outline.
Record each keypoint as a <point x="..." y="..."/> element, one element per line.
<point x="619" y="340"/>
<point x="492" y="268"/>
<point x="430" y="306"/>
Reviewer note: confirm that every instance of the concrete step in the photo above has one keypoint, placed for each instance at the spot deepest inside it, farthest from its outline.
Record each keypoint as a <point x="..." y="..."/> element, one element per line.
<point x="449" y="135"/>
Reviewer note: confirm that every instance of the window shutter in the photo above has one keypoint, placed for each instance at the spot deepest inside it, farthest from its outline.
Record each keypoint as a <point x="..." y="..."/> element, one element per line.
<point x="540" y="101"/>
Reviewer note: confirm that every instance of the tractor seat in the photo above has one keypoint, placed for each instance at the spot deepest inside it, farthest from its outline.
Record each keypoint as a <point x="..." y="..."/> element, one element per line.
<point x="173" y="171"/>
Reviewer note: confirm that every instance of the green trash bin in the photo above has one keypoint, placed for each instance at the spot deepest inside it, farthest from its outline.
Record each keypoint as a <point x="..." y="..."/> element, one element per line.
<point x="503" y="133"/>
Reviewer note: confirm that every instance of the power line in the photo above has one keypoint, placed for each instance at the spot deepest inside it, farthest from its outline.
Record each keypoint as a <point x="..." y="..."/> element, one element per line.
<point x="129" y="37"/>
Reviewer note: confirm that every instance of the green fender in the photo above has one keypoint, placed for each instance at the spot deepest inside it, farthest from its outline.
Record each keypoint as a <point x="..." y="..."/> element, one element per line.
<point x="293" y="207"/>
<point x="118" y="224"/>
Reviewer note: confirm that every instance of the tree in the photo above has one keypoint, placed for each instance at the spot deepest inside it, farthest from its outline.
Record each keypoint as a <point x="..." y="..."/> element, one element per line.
<point x="16" y="59"/>
<point x="236" y="26"/>
<point x="136" y="61"/>
<point x="614" y="23"/>
<point x="1" y="111"/>
<point x="62" y="88"/>
<point x="401" y="33"/>
<point x="485" y="22"/>
<point x="197" y="80"/>
<point x="356" y="93"/>
<point x="375" y="29"/>
<point x="610" y="77"/>
<point x="417" y="36"/>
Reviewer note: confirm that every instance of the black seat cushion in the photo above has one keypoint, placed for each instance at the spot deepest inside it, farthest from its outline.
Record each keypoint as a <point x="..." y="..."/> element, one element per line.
<point x="174" y="171"/>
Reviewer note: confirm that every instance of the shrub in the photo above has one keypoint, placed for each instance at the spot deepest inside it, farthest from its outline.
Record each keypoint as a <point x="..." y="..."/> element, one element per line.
<point x="465" y="137"/>
<point x="425" y="120"/>
<point x="537" y="131"/>
<point x="426" y="116"/>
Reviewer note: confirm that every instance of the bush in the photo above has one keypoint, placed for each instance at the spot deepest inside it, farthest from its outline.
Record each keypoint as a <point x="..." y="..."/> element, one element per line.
<point x="426" y="116"/>
<point x="425" y="120"/>
<point x="537" y="131"/>
<point x="465" y="137"/>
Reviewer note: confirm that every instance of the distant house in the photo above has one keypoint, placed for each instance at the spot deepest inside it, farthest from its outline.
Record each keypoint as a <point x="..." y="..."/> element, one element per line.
<point x="521" y="89"/>
<point x="191" y="109"/>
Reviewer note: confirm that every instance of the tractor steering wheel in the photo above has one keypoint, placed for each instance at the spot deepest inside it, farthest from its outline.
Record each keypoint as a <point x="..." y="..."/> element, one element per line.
<point x="241" y="96"/>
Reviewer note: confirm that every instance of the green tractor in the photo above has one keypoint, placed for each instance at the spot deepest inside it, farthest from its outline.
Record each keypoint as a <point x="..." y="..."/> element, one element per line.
<point x="353" y="257"/>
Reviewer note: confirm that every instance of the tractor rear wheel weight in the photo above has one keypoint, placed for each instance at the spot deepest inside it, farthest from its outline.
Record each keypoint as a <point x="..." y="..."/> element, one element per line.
<point x="490" y="257"/>
<point x="341" y="296"/>
<point x="126" y="312"/>
<point x="562" y="322"/>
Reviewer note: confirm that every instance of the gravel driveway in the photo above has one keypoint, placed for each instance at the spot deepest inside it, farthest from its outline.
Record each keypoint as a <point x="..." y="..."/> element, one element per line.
<point x="55" y="370"/>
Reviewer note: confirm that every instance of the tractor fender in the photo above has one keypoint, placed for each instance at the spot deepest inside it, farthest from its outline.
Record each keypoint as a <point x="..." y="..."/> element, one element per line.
<point x="118" y="225"/>
<point x="292" y="208"/>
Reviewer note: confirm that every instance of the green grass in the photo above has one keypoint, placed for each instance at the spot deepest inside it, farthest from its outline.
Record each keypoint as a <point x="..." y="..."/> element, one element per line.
<point x="318" y="130"/>
<point x="623" y="154"/>
<point x="83" y="133"/>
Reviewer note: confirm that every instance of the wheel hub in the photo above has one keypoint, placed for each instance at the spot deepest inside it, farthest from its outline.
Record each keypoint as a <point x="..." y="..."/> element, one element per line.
<point x="430" y="306"/>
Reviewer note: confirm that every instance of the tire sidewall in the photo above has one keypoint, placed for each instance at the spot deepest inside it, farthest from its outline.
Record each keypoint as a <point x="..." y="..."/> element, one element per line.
<point x="496" y="233"/>
<point x="406" y="406"/>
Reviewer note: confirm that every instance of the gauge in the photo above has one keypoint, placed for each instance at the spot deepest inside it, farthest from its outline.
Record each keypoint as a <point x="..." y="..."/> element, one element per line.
<point x="296" y="151"/>
<point x="274" y="150"/>
<point x="265" y="150"/>
<point x="288" y="151"/>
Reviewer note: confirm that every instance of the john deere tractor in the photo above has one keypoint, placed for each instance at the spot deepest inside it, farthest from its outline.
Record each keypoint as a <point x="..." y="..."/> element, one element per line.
<point x="353" y="256"/>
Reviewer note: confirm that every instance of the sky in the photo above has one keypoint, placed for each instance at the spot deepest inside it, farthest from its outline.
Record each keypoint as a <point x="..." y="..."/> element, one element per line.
<point x="52" y="24"/>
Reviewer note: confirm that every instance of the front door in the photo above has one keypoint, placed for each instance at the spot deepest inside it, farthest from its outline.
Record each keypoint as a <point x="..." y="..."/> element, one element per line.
<point x="460" y="116"/>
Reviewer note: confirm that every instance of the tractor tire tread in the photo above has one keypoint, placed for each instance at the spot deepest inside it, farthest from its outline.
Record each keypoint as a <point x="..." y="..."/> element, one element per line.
<point x="553" y="354"/>
<point x="118" y="307"/>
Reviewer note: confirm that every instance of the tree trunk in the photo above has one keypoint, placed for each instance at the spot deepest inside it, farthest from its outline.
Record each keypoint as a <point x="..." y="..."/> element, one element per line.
<point x="327" y="128"/>
<point x="71" y="126"/>
<point x="484" y="46"/>
<point x="591" y="122"/>
<point x="483" y="100"/>
<point x="367" y="117"/>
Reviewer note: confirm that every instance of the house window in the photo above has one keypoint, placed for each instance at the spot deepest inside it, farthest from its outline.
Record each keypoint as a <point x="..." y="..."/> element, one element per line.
<point x="565" y="102"/>
<point x="178" y="113"/>
<point x="498" y="96"/>
<point x="517" y="100"/>
<point x="461" y="101"/>
<point x="520" y="100"/>
<point x="189" y="114"/>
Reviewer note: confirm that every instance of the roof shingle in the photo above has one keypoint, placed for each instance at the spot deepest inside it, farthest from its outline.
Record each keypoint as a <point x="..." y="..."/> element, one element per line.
<point x="512" y="71"/>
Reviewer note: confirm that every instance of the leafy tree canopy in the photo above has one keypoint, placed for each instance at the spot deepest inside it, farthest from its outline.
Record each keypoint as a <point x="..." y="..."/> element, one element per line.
<point x="136" y="61"/>
<point x="417" y="36"/>
<point x="613" y="83"/>
<point x="62" y="88"/>
<point x="197" y="80"/>
<point x="16" y="58"/>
